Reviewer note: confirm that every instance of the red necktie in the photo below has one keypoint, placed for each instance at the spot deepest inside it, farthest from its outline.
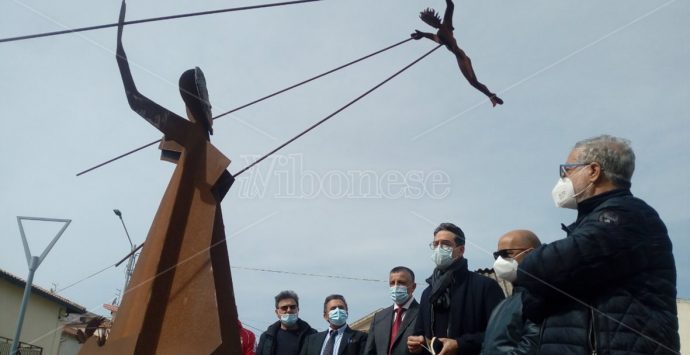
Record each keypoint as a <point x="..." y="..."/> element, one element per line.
<point x="396" y="326"/>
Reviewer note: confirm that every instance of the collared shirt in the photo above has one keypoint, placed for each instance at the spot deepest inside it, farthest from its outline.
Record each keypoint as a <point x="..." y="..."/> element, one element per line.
<point x="405" y="306"/>
<point x="338" y="337"/>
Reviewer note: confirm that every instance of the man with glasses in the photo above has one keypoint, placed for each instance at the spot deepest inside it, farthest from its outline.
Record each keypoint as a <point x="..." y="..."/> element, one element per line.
<point x="609" y="287"/>
<point x="286" y="336"/>
<point x="508" y="332"/>
<point x="455" y="308"/>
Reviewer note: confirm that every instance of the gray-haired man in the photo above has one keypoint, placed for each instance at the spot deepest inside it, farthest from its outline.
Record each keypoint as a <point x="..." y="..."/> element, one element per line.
<point x="609" y="287"/>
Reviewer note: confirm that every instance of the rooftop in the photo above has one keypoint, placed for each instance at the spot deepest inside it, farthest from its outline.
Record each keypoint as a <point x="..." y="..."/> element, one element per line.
<point x="70" y="306"/>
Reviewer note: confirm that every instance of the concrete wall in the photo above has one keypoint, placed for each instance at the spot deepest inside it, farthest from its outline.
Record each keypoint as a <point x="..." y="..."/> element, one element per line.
<point x="41" y="323"/>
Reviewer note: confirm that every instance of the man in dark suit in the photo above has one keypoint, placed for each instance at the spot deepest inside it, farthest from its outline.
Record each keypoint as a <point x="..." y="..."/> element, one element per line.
<point x="455" y="308"/>
<point x="339" y="339"/>
<point x="391" y="327"/>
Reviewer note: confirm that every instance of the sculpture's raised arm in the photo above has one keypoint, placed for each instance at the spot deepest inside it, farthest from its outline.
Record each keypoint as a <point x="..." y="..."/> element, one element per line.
<point x="172" y="125"/>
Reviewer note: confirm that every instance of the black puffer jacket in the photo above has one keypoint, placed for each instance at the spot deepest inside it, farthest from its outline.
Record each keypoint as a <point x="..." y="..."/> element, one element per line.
<point x="610" y="286"/>
<point x="267" y="341"/>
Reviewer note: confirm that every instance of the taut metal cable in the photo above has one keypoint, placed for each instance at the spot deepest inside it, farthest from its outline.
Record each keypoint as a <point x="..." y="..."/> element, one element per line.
<point x="256" y="101"/>
<point x="153" y="19"/>
<point x="336" y="112"/>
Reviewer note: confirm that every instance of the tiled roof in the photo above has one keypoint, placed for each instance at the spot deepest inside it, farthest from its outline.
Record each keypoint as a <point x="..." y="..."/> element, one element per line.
<point x="69" y="305"/>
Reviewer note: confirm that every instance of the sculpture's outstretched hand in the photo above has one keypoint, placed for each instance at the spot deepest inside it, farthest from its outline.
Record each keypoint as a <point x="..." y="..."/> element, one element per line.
<point x="495" y="100"/>
<point x="121" y="20"/>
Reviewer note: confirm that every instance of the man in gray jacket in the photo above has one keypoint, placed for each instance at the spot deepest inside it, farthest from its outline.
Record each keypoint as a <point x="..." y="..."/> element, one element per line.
<point x="391" y="326"/>
<point x="508" y="331"/>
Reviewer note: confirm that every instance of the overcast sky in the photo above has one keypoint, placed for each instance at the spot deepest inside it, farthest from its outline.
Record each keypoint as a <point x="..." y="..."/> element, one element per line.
<point x="363" y="192"/>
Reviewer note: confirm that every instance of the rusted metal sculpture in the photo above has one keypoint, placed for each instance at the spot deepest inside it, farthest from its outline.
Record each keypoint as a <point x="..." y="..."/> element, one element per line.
<point x="445" y="37"/>
<point x="180" y="299"/>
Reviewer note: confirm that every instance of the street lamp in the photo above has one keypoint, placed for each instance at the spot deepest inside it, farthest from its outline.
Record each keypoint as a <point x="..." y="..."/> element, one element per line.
<point x="130" y="263"/>
<point x="34" y="262"/>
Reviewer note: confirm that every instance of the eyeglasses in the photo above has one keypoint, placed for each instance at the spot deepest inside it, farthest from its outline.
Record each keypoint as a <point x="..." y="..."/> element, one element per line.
<point x="504" y="253"/>
<point x="564" y="168"/>
<point x="443" y="243"/>
<point x="287" y="307"/>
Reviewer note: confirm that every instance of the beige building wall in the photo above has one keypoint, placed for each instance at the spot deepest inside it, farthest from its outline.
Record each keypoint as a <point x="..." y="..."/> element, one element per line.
<point x="41" y="322"/>
<point x="69" y="346"/>
<point x="684" y="325"/>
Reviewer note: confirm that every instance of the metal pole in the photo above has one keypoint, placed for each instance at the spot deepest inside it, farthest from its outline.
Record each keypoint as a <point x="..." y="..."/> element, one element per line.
<point x="33" y="262"/>
<point x="130" y="263"/>
<point x="119" y="214"/>
<point x="25" y="300"/>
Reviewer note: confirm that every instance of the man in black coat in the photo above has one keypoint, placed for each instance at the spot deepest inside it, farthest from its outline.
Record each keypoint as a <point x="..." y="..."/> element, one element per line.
<point x="286" y="336"/>
<point x="391" y="326"/>
<point x="456" y="306"/>
<point x="609" y="287"/>
<point x="339" y="339"/>
<point x="508" y="331"/>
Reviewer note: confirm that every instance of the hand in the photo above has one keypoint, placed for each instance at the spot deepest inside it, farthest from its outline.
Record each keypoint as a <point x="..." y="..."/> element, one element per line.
<point x="414" y="343"/>
<point x="417" y="34"/>
<point x="495" y="100"/>
<point x="121" y="20"/>
<point x="450" y="346"/>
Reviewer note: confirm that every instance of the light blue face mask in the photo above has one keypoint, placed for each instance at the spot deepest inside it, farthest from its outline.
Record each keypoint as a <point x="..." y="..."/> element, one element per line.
<point x="399" y="294"/>
<point x="337" y="316"/>
<point x="442" y="256"/>
<point x="288" y="319"/>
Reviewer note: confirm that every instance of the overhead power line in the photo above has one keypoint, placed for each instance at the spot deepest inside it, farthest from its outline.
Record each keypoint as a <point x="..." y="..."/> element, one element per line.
<point x="85" y="278"/>
<point x="234" y="267"/>
<point x="307" y="274"/>
<point x="163" y="18"/>
<point x="255" y="101"/>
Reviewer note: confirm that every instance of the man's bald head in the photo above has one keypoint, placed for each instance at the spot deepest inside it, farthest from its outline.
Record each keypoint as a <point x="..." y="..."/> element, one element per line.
<point x="516" y="242"/>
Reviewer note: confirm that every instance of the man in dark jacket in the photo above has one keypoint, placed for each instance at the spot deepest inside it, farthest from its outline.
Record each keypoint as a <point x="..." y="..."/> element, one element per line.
<point x="339" y="339"/>
<point x="455" y="307"/>
<point x="286" y="336"/>
<point x="609" y="287"/>
<point x="508" y="332"/>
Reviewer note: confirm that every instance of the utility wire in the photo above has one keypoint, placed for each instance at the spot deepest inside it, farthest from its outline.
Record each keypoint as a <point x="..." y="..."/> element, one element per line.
<point x="163" y="18"/>
<point x="234" y="267"/>
<point x="306" y="274"/>
<point x="256" y="101"/>
<point x="84" y="279"/>
<point x="336" y="112"/>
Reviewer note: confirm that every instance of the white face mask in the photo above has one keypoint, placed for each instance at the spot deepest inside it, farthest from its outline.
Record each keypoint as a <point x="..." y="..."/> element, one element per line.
<point x="564" y="194"/>
<point x="506" y="268"/>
